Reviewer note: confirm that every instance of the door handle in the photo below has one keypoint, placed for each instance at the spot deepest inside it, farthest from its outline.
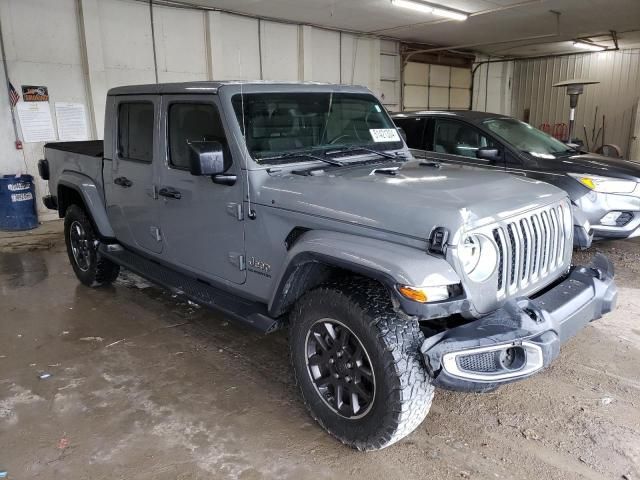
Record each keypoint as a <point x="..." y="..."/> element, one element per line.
<point x="123" y="182"/>
<point x="170" y="192"/>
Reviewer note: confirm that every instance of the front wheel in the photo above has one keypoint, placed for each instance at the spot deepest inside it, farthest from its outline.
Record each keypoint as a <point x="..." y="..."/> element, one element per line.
<point x="90" y="267"/>
<point x="358" y="364"/>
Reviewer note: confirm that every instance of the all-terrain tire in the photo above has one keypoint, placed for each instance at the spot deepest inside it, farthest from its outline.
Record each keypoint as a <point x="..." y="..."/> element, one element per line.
<point x="97" y="271"/>
<point x="403" y="389"/>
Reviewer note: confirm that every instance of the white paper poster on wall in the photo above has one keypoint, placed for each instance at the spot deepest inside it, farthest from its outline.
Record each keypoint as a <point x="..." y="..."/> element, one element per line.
<point x="35" y="121"/>
<point x="72" y="121"/>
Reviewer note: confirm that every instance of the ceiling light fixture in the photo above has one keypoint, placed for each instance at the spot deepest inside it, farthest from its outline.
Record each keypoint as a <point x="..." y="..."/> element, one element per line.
<point x="592" y="47"/>
<point x="430" y="8"/>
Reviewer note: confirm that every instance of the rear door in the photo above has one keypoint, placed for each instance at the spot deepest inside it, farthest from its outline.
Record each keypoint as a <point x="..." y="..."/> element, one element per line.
<point x="202" y="222"/>
<point x="131" y="194"/>
<point x="458" y="142"/>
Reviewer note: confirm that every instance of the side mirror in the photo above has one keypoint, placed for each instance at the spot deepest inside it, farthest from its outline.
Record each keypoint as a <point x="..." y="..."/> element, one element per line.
<point x="489" y="153"/>
<point x="402" y="133"/>
<point x="207" y="158"/>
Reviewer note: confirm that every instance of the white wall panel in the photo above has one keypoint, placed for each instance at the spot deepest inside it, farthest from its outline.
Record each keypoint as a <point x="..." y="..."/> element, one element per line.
<point x="361" y="62"/>
<point x="126" y="42"/>
<point x="325" y="56"/>
<point x="280" y="51"/>
<point x="234" y="47"/>
<point x="180" y="44"/>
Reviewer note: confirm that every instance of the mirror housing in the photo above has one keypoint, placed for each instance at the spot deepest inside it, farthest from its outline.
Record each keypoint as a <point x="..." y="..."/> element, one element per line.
<point x="492" y="154"/>
<point x="207" y="158"/>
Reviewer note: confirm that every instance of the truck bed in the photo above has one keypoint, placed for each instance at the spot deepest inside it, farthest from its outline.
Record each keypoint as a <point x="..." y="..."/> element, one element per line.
<point x="70" y="159"/>
<point x="93" y="148"/>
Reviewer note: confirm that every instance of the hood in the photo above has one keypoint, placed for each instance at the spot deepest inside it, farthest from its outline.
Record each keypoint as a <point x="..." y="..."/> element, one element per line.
<point x="595" y="165"/>
<point x="410" y="202"/>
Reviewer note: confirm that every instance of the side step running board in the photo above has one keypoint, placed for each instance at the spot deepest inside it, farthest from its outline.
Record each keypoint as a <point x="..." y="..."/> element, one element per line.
<point x="243" y="311"/>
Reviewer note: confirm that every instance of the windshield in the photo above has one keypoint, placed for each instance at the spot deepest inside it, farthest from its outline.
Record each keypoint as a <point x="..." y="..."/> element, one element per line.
<point x="528" y="139"/>
<point x="282" y="124"/>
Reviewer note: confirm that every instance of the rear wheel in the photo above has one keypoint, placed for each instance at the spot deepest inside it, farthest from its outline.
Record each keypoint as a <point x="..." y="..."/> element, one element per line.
<point x="89" y="266"/>
<point x="358" y="364"/>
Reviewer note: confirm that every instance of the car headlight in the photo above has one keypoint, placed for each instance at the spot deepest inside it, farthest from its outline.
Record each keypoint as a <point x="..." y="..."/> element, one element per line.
<point x="605" y="184"/>
<point x="478" y="256"/>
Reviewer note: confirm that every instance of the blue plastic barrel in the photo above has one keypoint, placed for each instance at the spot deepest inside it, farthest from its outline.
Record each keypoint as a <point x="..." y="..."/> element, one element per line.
<point x="17" y="203"/>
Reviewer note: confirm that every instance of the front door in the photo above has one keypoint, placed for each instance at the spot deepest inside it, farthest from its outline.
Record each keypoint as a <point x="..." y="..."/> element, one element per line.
<point x="131" y="193"/>
<point x="202" y="222"/>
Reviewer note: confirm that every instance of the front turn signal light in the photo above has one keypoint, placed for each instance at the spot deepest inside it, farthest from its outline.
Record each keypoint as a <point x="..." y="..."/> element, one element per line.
<point x="424" y="294"/>
<point x="415" y="294"/>
<point x="587" y="182"/>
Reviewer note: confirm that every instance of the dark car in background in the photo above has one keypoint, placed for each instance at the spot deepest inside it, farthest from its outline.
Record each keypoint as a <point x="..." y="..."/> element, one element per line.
<point x="606" y="190"/>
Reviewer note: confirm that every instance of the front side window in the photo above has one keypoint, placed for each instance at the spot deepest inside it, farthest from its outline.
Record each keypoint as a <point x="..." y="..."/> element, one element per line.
<point x="457" y="138"/>
<point x="528" y="139"/>
<point x="135" y="131"/>
<point x="191" y="122"/>
<point x="285" y="123"/>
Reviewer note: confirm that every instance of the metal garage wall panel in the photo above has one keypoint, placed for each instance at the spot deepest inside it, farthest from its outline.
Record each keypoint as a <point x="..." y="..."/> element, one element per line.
<point x="325" y="56"/>
<point x="180" y="44"/>
<point x="234" y="47"/>
<point x="390" y="77"/>
<point x="128" y="58"/>
<point x="389" y="94"/>
<point x="360" y="62"/>
<point x="389" y="67"/>
<point x="280" y="51"/>
<point x="615" y="97"/>
<point x="416" y="74"/>
<point x="439" y="76"/>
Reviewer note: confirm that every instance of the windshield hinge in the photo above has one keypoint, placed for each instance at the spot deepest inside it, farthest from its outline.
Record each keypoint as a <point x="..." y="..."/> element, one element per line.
<point x="235" y="210"/>
<point x="238" y="260"/>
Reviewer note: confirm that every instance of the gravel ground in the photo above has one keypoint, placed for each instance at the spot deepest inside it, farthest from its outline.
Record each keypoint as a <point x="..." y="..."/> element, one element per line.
<point x="145" y="385"/>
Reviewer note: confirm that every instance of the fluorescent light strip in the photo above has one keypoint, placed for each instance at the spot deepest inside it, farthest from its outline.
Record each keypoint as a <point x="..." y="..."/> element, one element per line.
<point x="432" y="9"/>
<point x="588" y="46"/>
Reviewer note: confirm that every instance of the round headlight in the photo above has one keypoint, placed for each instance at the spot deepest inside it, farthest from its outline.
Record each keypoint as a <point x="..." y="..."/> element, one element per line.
<point x="479" y="257"/>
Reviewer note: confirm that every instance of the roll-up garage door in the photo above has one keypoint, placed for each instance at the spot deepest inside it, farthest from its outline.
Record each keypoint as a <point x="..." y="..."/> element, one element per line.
<point x="436" y="87"/>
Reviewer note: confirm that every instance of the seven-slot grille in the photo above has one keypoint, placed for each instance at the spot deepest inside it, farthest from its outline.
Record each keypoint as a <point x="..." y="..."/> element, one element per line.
<point x="530" y="247"/>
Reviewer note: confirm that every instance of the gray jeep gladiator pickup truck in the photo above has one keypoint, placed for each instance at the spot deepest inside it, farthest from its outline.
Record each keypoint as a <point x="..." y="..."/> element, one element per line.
<point x="300" y="205"/>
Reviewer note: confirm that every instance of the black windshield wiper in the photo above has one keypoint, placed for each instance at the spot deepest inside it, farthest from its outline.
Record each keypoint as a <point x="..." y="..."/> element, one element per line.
<point x="356" y="148"/>
<point x="289" y="155"/>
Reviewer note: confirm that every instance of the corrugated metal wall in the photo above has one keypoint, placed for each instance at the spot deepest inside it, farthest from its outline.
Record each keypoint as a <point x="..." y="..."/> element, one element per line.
<point x="616" y="96"/>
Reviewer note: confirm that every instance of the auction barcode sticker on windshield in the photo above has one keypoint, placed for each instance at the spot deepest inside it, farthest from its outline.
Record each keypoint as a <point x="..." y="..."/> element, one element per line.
<point x="384" y="134"/>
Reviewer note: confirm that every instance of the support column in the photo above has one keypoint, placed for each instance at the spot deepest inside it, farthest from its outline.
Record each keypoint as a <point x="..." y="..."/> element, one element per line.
<point x="96" y="77"/>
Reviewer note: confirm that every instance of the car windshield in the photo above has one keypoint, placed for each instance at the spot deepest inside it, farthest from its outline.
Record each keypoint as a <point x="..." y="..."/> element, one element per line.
<point x="528" y="139"/>
<point x="278" y="126"/>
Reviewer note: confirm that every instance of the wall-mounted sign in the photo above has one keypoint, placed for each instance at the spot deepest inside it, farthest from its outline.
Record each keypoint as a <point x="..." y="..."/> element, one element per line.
<point x="72" y="121"/>
<point x="35" y="93"/>
<point x="36" y="122"/>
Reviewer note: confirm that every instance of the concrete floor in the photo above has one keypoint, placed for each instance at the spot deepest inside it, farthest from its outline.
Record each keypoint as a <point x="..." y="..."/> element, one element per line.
<point x="147" y="386"/>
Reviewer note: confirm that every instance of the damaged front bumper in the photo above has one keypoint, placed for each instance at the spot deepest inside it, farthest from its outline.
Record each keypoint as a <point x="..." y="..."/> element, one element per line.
<point x="524" y="336"/>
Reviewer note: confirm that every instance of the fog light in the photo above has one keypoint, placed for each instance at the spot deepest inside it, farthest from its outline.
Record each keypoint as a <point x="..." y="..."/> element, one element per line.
<point x="616" y="219"/>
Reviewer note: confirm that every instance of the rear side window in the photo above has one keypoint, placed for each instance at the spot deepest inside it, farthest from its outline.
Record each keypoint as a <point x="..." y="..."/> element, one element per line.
<point x="191" y="122"/>
<point x="414" y="128"/>
<point x="135" y="131"/>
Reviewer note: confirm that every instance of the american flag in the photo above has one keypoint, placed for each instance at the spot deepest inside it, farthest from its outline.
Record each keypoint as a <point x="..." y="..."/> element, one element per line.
<point x="13" y="95"/>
